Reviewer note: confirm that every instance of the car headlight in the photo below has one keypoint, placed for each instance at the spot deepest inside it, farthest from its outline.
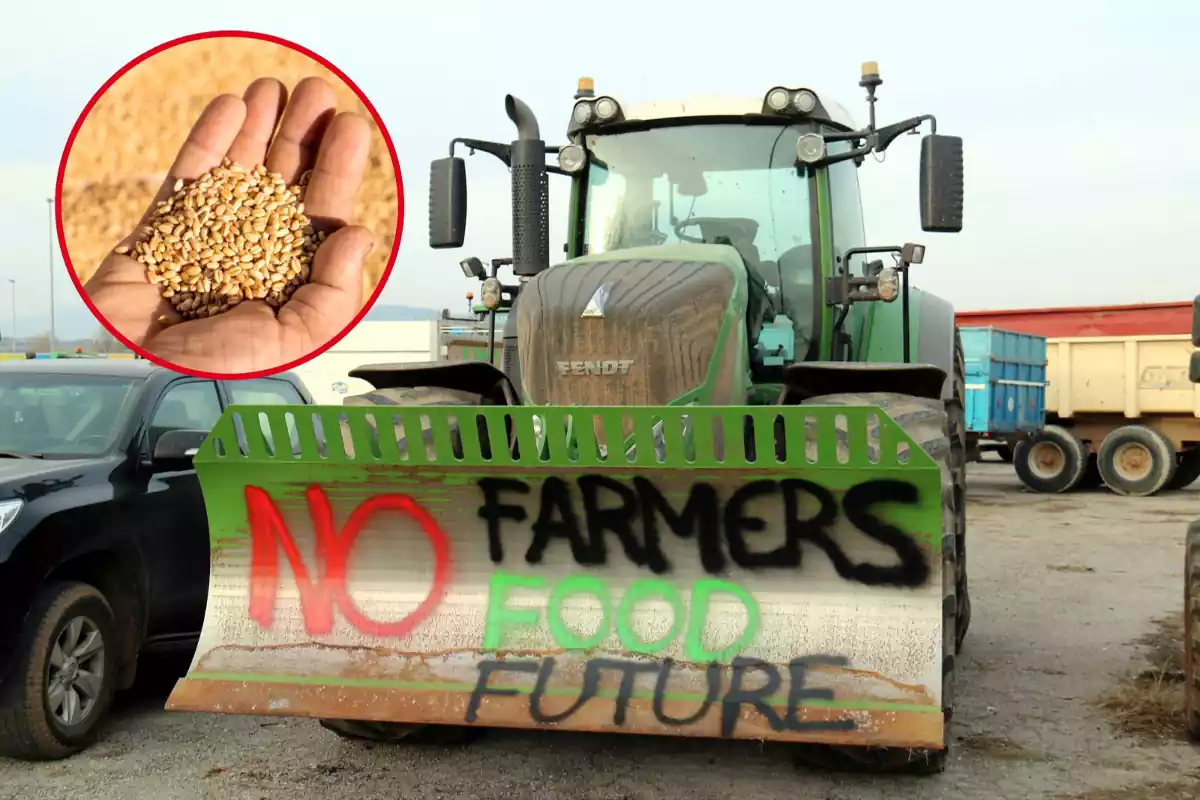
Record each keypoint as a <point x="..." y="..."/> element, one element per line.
<point x="9" y="509"/>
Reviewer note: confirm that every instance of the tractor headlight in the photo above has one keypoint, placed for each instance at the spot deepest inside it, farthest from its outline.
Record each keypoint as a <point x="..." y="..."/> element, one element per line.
<point x="582" y="114"/>
<point x="810" y="148"/>
<point x="490" y="291"/>
<point x="804" y="101"/>
<point x="606" y="109"/>
<point x="572" y="159"/>
<point x="887" y="284"/>
<point x="778" y="99"/>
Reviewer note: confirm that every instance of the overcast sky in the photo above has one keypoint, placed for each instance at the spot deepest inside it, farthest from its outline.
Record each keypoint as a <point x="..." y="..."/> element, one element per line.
<point x="1083" y="179"/>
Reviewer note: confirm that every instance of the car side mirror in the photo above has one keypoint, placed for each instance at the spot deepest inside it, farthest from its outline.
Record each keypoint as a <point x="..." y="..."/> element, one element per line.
<point x="941" y="183"/>
<point x="447" y="203"/>
<point x="174" y="450"/>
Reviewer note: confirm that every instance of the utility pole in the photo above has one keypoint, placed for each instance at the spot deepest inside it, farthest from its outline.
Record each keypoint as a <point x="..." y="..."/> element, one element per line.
<point x="50" y="234"/>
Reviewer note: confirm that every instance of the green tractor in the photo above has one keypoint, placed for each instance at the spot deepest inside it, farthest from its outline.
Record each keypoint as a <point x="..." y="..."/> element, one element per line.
<point x="713" y="487"/>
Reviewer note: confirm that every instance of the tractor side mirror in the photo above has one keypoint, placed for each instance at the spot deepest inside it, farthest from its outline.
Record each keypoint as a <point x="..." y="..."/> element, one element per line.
<point x="447" y="203"/>
<point x="941" y="183"/>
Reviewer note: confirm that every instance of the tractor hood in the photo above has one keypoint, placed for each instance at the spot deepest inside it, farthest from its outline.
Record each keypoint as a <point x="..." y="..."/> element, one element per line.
<point x="642" y="326"/>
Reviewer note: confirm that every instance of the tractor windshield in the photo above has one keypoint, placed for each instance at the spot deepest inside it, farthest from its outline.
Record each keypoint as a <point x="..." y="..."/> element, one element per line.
<point x="717" y="183"/>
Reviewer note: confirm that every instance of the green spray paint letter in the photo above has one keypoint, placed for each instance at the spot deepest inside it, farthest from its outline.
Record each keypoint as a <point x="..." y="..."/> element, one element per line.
<point x="702" y="590"/>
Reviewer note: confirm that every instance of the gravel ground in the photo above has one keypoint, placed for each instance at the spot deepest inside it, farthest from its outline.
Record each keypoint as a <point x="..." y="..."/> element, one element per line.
<point x="1062" y="587"/>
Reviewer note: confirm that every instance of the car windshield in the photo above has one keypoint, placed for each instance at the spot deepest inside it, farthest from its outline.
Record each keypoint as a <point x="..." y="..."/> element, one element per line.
<point x="62" y="416"/>
<point x="720" y="183"/>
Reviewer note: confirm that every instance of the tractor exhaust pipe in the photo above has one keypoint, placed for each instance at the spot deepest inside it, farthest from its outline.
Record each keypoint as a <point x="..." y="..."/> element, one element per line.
<point x="530" y="193"/>
<point x="523" y="117"/>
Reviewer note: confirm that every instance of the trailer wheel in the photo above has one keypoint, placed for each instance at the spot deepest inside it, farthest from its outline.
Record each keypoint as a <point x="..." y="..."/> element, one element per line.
<point x="1136" y="461"/>
<point x="1187" y="470"/>
<point x="1191" y="630"/>
<point x="1050" y="461"/>
<point x="1006" y="453"/>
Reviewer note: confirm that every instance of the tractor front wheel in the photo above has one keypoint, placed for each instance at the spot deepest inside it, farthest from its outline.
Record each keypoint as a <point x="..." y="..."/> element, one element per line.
<point x="393" y="732"/>
<point x="937" y="428"/>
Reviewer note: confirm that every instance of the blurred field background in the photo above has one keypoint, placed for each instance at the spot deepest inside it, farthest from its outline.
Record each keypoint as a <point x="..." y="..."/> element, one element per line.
<point x="131" y="136"/>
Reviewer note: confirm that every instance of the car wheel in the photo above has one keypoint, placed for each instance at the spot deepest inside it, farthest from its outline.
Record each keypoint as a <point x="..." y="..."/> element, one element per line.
<point x="63" y="685"/>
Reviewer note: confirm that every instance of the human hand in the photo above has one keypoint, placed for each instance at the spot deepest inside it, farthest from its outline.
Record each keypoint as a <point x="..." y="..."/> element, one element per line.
<point x="253" y="336"/>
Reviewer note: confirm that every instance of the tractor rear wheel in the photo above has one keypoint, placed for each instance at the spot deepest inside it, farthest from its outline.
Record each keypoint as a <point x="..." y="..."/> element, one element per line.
<point x="391" y="732"/>
<point x="931" y="424"/>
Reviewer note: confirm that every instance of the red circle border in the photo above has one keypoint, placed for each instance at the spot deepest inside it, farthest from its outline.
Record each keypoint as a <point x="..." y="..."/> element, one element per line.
<point x="195" y="37"/>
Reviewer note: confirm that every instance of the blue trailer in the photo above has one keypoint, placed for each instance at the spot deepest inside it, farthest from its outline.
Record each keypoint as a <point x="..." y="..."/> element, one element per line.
<point x="1006" y="388"/>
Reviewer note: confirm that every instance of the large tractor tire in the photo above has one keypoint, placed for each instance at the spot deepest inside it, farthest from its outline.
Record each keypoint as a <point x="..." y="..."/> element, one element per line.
<point x="392" y="732"/>
<point x="1051" y="461"/>
<point x="1187" y="469"/>
<point x="1136" y="461"/>
<point x="956" y="416"/>
<point x="938" y="428"/>
<point x="1191" y="630"/>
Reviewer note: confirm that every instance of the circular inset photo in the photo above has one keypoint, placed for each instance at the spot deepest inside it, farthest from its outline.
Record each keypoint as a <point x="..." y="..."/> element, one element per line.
<point x="229" y="205"/>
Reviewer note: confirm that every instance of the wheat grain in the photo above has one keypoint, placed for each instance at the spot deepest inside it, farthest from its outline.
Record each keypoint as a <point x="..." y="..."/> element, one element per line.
<point x="233" y="234"/>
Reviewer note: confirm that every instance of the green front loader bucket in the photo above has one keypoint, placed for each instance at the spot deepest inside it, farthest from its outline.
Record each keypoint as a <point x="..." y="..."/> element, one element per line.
<point x="735" y="572"/>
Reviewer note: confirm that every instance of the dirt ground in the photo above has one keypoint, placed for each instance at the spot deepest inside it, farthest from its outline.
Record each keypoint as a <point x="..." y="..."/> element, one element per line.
<point x="131" y="136"/>
<point x="1071" y="594"/>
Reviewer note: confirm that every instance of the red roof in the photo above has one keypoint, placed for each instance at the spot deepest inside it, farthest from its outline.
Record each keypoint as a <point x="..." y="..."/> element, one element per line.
<point x="1143" y="319"/>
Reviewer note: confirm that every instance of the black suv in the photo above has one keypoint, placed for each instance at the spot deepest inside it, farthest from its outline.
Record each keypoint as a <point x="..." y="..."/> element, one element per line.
<point x="104" y="548"/>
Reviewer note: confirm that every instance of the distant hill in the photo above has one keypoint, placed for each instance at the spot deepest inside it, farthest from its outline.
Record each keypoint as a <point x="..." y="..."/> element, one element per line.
<point x="384" y="312"/>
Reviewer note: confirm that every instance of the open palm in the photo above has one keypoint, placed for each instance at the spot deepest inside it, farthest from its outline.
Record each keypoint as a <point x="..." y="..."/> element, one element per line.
<point x="289" y="136"/>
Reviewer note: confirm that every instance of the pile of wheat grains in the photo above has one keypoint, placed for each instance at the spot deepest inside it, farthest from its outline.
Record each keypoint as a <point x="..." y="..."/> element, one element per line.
<point x="132" y="134"/>
<point x="233" y="234"/>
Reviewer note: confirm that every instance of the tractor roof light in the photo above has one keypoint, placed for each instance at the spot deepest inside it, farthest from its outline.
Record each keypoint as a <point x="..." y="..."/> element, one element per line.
<point x="583" y="113"/>
<point x="810" y="148"/>
<point x="887" y="284"/>
<point x="790" y="102"/>
<point x="600" y="111"/>
<point x="572" y="159"/>
<point x="607" y="109"/>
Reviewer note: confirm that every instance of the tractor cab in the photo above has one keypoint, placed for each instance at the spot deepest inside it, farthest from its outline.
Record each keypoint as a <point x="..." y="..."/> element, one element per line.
<point x="713" y="242"/>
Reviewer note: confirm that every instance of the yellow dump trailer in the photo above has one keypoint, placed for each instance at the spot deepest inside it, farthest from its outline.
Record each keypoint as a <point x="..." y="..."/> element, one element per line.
<point x="1120" y="410"/>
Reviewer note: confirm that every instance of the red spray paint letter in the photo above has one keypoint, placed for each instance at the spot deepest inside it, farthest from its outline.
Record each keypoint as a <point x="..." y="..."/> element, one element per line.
<point x="269" y="534"/>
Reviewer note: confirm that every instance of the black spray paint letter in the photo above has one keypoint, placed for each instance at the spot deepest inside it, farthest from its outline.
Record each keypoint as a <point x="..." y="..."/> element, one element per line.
<point x="632" y="516"/>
